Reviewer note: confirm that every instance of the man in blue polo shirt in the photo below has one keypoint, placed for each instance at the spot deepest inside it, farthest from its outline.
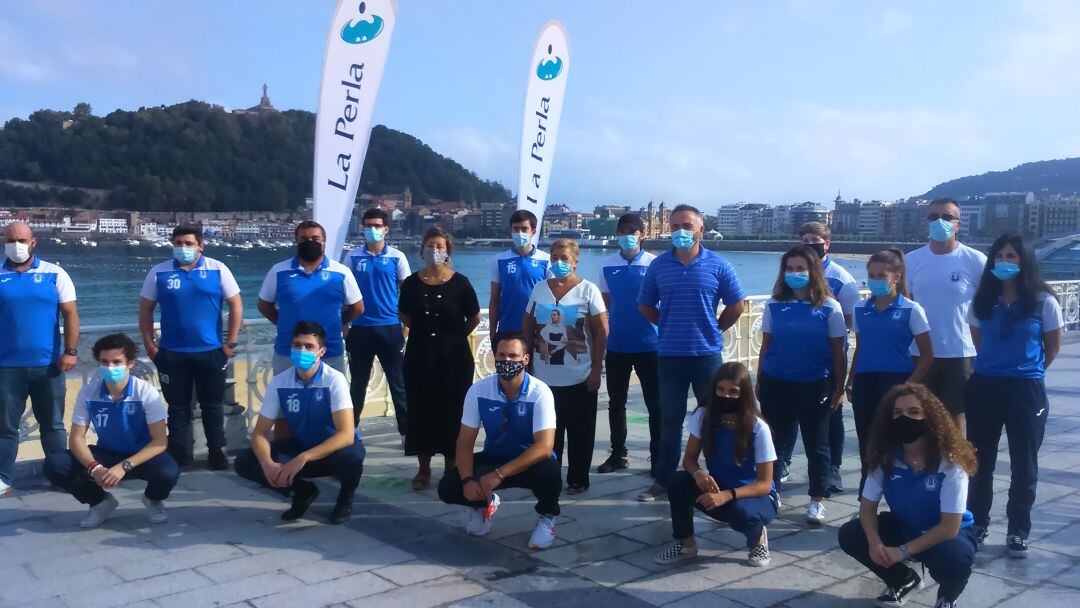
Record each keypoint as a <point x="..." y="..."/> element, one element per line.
<point x="517" y="412"/>
<point x="845" y="290"/>
<point x="190" y="356"/>
<point x="31" y="361"/>
<point x="379" y="270"/>
<point x="311" y="402"/>
<point x="631" y="341"/>
<point x="514" y="273"/>
<point x="128" y="417"/>
<point x="681" y="292"/>
<point x="310" y="287"/>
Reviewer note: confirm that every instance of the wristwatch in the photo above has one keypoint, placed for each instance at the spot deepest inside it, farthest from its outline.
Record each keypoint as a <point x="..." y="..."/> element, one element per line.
<point x="74" y="352"/>
<point x="127" y="466"/>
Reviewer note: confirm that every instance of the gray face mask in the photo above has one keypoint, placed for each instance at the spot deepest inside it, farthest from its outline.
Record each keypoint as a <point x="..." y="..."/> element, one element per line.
<point x="435" y="256"/>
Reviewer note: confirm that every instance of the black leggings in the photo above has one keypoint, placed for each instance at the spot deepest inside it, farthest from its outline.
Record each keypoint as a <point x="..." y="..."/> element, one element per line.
<point x="788" y="406"/>
<point x="575" y="415"/>
<point x="866" y="393"/>
<point x="543" y="478"/>
<point x="346" y="465"/>
<point x="746" y="515"/>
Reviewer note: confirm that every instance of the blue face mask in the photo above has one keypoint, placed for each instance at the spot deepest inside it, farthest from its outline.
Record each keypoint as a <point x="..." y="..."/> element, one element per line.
<point x="879" y="287"/>
<point x="940" y="230"/>
<point x="628" y="242"/>
<point x="1005" y="270"/>
<point x="521" y="239"/>
<point x="184" y="255"/>
<point x="302" y="359"/>
<point x="561" y="270"/>
<point x="112" y="375"/>
<point x="682" y="239"/>
<point x="373" y="235"/>
<point x="797" y="280"/>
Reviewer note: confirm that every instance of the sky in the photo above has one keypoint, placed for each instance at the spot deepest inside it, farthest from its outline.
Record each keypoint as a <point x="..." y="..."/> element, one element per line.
<point x="684" y="101"/>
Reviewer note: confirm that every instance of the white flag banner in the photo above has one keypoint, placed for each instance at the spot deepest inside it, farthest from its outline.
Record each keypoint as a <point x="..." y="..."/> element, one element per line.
<point x="548" y="71"/>
<point x="356" y="52"/>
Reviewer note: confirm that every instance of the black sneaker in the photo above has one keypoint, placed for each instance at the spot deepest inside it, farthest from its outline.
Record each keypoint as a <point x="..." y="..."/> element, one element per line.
<point x="613" y="463"/>
<point x="1018" y="547"/>
<point x="785" y="474"/>
<point x="891" y="597"/>
<point x="342" y="510"/>
<point x="576" y="489"/>
<point x="304" y="493"/>
<point x="218" y="460"/>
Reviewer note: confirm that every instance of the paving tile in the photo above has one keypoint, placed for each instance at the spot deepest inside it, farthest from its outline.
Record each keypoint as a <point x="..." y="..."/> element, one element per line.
<point x="136" y="591"/>
<point x="343" y="565"/>
<point x="163" y="563"/>
<point x="432" y="593"/>
<point x="409" y="573"/>
<point x="611" y="572"/>
<point x="1043" y="596"/>
<point x="491" y="599"/>
<point x="665" y="587"/>
<point x="16" y="590"/>
<point x="775" y="585"/>
<point x="588" y="551"/>
<point x="338" y="590"/>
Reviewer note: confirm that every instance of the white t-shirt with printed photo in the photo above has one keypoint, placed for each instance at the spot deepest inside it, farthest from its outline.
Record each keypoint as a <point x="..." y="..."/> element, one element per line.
<point x="563" y="353"/>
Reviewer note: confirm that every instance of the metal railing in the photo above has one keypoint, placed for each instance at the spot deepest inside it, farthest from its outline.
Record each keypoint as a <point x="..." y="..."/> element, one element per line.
<point x="251" y="368"/>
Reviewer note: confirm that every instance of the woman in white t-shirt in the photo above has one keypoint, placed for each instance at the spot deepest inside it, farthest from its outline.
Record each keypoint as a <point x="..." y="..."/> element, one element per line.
<point x="566" y="323"/>
<point x="736" y="485"/>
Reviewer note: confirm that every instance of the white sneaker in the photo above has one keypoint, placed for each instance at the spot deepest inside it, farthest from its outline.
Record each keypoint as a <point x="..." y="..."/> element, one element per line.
<point x="815" y="513"/>
<point x="5" y="489"/>
<point x="155" y="511"/>
<point x="478" y="521"/>
<point x="544" y="534"/>
<point x="97" y="513"/>
<point x="676" y="553"/>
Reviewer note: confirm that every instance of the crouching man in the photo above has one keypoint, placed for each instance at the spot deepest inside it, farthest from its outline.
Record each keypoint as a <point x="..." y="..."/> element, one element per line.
<point x="128" y="415"/>
<point x="311" y="401"/>
<point x="517" y="412"/>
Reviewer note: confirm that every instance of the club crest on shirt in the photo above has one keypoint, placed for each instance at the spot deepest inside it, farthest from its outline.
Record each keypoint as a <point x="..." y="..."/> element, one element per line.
<point x="384" y="261"/>
<point x="898" y="315"/>
<point x="129" y="409"/>
<point x="521" y="409"/>
<point x="535" y="263"/>
<point x="931" y="484"/>
<point x="38" y="277"/>
<point x="325" y="275"/>
<point x="955" y="277"/>
<point x="318" y="396"/>
<point x="202" y="274"/>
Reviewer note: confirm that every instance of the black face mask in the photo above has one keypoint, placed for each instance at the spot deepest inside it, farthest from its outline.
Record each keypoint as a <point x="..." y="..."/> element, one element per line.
<point x="309" y="251"/>
<point x="508" y="370"/>
<point x="907" y="430"/>
<point x="819" y="249"/>
<point x="726" y="405"/>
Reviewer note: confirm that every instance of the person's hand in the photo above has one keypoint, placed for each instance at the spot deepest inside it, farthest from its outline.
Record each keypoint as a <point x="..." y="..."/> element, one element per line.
<point x="893" y="555"/>
<point x="345" y="330"/>
<point x="290" y="470"/>
<point x="67" y="362"/>
<point x="847" y="392"/>
<point x="152" y="350"/>
<point x="593" y="383"/>
<point x="837" y="398"/>
<point x="271" y="471"/>
<point x="99" y="475"/>
<point x="112" y="476"/>
<point x="878" y="554"/>
<point x="227" y="350"/>
<point x="705" y="482"/>
<point x="489" y="482"/>
<point x="473" y="492"/>
<point x="714" y="500"/>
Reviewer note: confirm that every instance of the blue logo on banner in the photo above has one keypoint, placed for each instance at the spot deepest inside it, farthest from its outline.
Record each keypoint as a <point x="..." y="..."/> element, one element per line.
<point x="362" y="30"/>
<point x="548" y="69"/>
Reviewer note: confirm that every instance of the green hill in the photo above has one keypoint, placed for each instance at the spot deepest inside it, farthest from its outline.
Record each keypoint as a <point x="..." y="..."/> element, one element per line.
<point x="197" y="157"/>
<point x="1042" y="177"/>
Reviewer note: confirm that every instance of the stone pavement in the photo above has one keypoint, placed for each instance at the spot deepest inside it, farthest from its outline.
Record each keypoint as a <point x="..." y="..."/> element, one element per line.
<point x="224" y="544"/>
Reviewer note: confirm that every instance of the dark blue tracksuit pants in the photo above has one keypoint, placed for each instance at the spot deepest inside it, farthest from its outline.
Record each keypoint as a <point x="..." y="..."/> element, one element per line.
<point x="346" y="465"/>
<point x="949" y="562"/>
<point x="748" y="516"/>
<point x="387" y="343"/>
<point x="65" y="472"/>
<point x="1021" y="407"/>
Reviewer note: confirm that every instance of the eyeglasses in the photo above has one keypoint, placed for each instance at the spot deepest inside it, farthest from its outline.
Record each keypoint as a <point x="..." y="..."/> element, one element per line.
<point x="948" y="217"/>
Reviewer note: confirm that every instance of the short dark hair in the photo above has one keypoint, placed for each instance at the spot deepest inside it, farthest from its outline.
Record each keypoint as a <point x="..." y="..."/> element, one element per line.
<point x="310" y="328"/>
<point x="309" y="224"/>
<point x="114" y="341"/>
<point x="376" y="213"/>
<point x="523" y="215"/>
<point x="435" y="232"/>
<point x="945" y="200"/>
<point x="817" y="229"/>
<point x="684" y="207"/>
<point x="186" y="229"/>
<point x="509" y="334"/>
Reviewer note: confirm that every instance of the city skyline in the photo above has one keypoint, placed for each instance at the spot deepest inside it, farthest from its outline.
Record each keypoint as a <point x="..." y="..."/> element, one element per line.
<point x="710" y="105"/>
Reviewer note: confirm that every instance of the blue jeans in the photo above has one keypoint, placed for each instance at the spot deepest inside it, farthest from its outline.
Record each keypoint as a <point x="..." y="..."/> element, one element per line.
<point x="385" y="342"/>
<point x="45" y="387"/>
<point x="65" y="472"/>
<point x="677" y="375"/>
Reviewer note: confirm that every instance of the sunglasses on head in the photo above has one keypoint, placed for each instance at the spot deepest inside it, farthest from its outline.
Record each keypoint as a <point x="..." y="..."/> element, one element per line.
<point x="948" y="217"/>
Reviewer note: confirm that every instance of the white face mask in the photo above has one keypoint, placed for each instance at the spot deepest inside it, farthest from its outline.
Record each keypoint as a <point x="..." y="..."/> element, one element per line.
<point x="17" y="252"/>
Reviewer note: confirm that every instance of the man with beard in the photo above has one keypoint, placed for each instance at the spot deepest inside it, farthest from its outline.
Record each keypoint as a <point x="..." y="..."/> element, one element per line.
<point x="310" y="287"/>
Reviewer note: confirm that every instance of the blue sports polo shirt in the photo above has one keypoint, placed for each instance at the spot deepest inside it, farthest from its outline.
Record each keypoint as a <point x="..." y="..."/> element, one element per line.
<point x="508" y="425"/>
<point x="122" y="426"/>
<point x="318" y="296"/>
<point x="621" y="279"/>
<point x="843" y="286"/>
<point x="885" y="336"/>
<point x="191" y="302"/>
<point x="688" y="296"/>
<point x="799" y="349"/>
<point x="29" y="305"/>
<point x="919" y="498"/>
<point x="308" y="407"/>
<point x="1011" y="343"/>
<point x="516" y="275"/>
<point x="378" y="277"/>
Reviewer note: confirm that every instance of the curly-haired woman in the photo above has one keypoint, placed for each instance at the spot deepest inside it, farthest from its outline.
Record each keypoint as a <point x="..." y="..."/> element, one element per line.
<point x="920" y="463"/>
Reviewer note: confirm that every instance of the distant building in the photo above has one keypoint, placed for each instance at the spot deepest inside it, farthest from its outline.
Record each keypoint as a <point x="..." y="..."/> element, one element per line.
<point x="809" y="212"/>
<point x="845" y="217"/>
<point x="1059" y="216"/>
<point x="264" y="107"/>
<point x="110" y="225"/>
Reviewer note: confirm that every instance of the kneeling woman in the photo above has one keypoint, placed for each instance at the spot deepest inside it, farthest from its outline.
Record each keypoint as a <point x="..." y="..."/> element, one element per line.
<point x="920" y="463"/>
<point x="736" y="487"/>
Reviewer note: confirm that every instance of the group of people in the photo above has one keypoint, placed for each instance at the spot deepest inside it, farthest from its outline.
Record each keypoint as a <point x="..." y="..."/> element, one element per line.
<point x="948" y="338"/>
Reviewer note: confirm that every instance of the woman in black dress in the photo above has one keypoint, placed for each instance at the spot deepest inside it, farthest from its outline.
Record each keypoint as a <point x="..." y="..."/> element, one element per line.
<point x="440" y="308"/>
